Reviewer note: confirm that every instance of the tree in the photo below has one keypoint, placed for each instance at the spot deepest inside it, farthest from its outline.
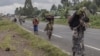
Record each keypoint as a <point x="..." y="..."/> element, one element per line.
<point x="60" y="7"/>
<point x="75" y="2"/>
<point x="16" y="11"/>
<point x="65" y="3"/>
<point x="97" y="2"/>
<point x="36" y="11"/>
<point x="53" y="7"/>
<point x="43" y="12"/>
<point x="84" y="3"/>
<point x="19" y="11"/>
<point x="93" y="8"/>
<point x="28" y="8"/>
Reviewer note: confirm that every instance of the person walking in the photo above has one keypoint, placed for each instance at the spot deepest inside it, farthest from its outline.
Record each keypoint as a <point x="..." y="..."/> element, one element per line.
<point x="35" y="25"/>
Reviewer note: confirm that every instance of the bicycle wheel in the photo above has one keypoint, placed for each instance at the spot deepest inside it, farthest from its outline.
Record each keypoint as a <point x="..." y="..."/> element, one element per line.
<point x="82" y="42"/>
<point x="49" y="33"/>
<point x="76" y="46"/>
<point x="73" y="53"/>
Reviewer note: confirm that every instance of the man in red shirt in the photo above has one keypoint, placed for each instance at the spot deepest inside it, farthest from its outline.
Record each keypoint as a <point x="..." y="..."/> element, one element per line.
<point x="35" y="25"/>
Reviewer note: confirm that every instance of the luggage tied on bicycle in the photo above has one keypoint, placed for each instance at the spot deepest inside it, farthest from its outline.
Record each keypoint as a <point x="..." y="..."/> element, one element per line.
<point x="49" y="27"/>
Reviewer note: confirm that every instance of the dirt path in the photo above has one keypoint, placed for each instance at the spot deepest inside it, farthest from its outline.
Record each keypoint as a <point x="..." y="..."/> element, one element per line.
<point x="18" y="46"/>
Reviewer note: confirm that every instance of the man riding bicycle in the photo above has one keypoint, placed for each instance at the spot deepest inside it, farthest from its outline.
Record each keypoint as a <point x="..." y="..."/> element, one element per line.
<point x="49" y="26"/>
<point x="78" y="23"/>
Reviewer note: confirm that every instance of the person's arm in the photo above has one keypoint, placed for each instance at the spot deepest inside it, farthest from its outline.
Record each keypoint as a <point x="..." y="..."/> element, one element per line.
<point x="33" y="21"/>
<point x="38" y="21"/>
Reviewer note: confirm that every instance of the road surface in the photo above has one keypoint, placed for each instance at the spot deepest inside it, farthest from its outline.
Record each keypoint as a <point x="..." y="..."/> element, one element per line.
<point x="62" y="38"/>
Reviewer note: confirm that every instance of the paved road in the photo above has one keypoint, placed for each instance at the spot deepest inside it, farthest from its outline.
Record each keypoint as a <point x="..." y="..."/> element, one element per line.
<point x="62" y="38"/>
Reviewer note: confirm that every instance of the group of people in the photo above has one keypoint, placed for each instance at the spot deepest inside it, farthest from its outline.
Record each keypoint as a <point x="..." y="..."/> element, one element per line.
<point x="19" y="19"/>
<point x="49" y="25"/>
<point x="78" y="20"/>
<point x="74" y="21"/>
<point x="78" y="23"/>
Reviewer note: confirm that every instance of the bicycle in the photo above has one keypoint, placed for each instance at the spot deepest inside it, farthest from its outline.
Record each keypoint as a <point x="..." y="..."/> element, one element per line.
<point x="78" y="41"/>
<point x="49" y="29"/>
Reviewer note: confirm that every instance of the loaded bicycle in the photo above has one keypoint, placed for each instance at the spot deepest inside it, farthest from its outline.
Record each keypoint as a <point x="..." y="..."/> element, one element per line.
<point x="78" y="41"/>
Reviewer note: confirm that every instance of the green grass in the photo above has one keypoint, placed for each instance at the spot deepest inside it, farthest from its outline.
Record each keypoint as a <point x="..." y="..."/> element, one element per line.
<point x="95" y="21"/>
<point x="61" y="21"/>
<point x="6" y="43"/>
<point x="35" y="41"/>
<point x="27" y="52"/>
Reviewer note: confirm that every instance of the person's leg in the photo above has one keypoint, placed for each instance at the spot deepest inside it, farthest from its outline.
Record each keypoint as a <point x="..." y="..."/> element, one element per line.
<point x="74" y="40"/>
<point x="34" y="29"/>
<point x="37" y="29"/>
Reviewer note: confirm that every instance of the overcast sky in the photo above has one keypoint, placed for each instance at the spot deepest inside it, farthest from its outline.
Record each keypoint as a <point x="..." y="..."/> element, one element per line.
<point x="8" y="6"/>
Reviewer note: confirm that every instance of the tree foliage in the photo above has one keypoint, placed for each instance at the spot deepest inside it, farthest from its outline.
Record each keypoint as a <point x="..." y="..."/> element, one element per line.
<point x="17" y="11"/>
<point x="53" y="7"/>
<point x="43" y="12"/>
<point x="60" y="7"/>
<point x="97" y="2"/>
<point x="65" y="3"/>
<point x="75" y="2"/>
<point x="93" y="8"/>
<point x="28" y="10"/>
<point x="90" y="5"/>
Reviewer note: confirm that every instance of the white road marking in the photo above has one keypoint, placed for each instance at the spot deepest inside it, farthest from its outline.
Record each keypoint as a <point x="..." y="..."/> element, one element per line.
<point x="85" y="44"/>
<point x="98" y="49"/>
<point x="57" y="36"/>
<point x="93" y="47"/>
<point x="53" y="34"/>
<point x="41" y="30"/>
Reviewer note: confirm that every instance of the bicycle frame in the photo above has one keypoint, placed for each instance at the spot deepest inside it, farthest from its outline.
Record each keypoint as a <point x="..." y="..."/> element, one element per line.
<point x="78" y="42"/>
<point x="49" y="31"/>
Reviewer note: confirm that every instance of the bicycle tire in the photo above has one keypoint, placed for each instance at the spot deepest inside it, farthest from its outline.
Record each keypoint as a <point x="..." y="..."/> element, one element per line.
<point x="49" y="33"/>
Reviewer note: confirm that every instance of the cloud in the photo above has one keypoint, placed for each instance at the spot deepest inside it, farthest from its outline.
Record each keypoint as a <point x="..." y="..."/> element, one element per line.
<point x="10" y="2"/>
<point x="42" y="1"/>
<point x="9" y="8"/>
<point x="43" y="5"/>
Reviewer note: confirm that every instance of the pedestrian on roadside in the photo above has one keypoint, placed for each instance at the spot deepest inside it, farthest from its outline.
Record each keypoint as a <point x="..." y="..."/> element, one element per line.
<point x="15" y="20"/>
<point x="35" y="25"/>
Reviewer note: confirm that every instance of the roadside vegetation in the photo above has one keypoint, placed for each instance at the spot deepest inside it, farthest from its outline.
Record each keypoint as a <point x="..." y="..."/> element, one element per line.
<point x="63" y="10"/>
<point x="94" y="21"/>
<point x="19" y="42"/>
<point x="61" y="21"/>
